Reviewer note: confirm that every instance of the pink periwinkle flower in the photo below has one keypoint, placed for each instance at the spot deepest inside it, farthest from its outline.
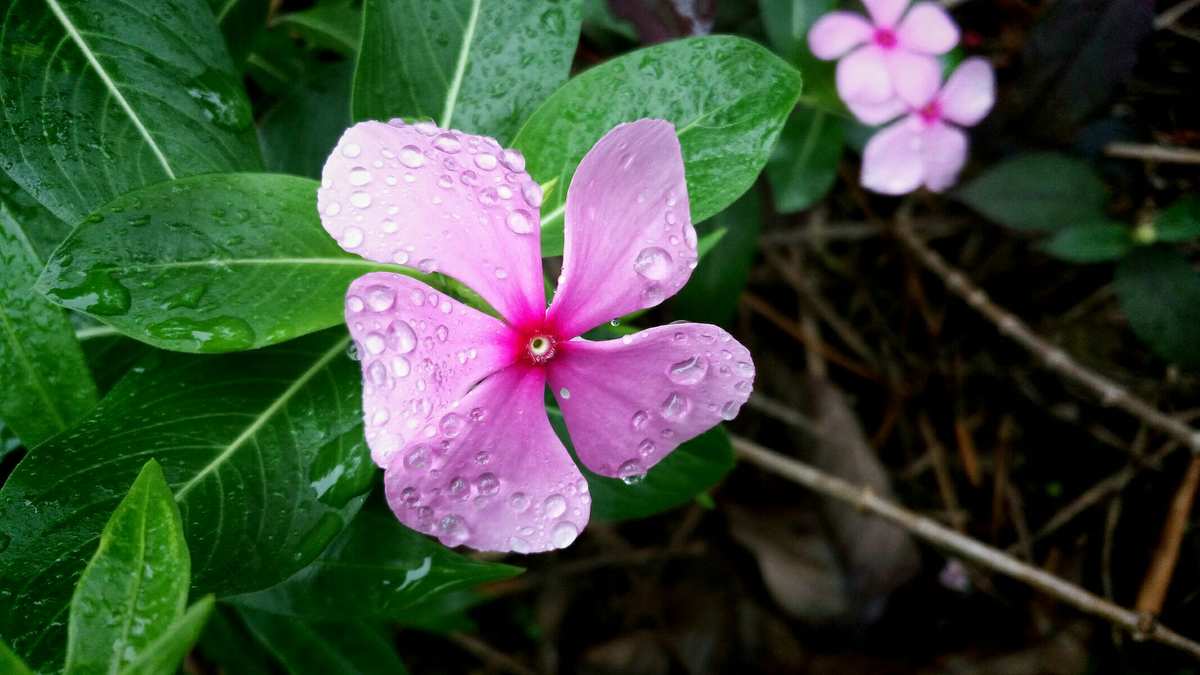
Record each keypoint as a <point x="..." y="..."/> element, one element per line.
<point x="891" y="56"/>
<point x="453" y="398"/>
<point x="924" y="147"/>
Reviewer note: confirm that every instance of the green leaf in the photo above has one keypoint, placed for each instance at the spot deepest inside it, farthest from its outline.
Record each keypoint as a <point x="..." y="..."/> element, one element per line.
<point x="228" y="644"/>
<point x="299" y="131"/>
<point x="278" y="64"/>
<point x="349" y="647"/>
<point x="1180" y="221"/>
<point x="10" y="663"/>
<point x="476" y="65"/>
<point x="691" y="469"/>
<point x="804" y="164"/>
<point x="264" y="451"/>
<point x="1040" y="191"/>
<point x="135" y="585"/>
<point x="8" y="443"/>
<point x="46" y="383"/>
<point x="377" y="569"/>
<point x="165" y="654"/>
<point x="109" y="354"/>
<point x="727" y="97"/>
<point x="240" y="22"/>
<point x="1159" y="293"/>
<point x="711" y="294"/>
<point x="1092" y="242"/>
<point x="212" y="263"/>
<point x="335" y="26"/>
<point x="787" y="23"/>
<point x="101" y="98"/>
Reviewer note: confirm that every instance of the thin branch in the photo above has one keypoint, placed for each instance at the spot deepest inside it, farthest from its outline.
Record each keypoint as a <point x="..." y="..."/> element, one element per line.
<point x="1109" y="392"/>
<point x="1153" y="153"/>
<point x="490" y="655"/>
<point x="1162" y="568"/>
<point x="1170" y="16"/>
<point x="1141" y="626"/>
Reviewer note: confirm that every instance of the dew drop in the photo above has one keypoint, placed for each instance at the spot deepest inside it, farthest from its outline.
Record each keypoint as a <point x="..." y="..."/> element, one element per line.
<point x="417" y="458"/>
<point x="501" y="273"/>
<point x="532" y="192"/>
<point x="417" y="298"/>
<point x="689" y="371"/>
<point x="360" y="200"/>
<point x="401" y="367"/>
<point x="639" y="420"/>
<point x="354" y="303"/>
<point x="380" y="298"/>
<point x="485" y="161"/>
<point x="518" y="502"/>
<point x="482" y="457"/>
<point x="426" y="128"/>
<point x="477" y="414"/>
<point x="488" y="484"/>
<point x="452" y="425"/>
<point x="652" y="295"/>
<point x="518" y="545"/>
<point x="447" y="143"/>
<point x="675" y="407"/>
<point x="646" y="447"/>
<point x="563" y="534"/>
<point x="377" y="373"/>
<point x="729" y="410"/>
<point x="632" y="470"/>
<point x="459" y="488"/>
<point x="428" y="266"/>
<point x="352" y="237"/>
<point x="512" y="160"/>
<point x="333" y="209"/>
<point x="555" y="506"/>
<point x="442" y="333"/>
<point x="359" y="176"/>
<point x="453" y="530"/>
<point x="409" y="496"/>
<point x="401" y="336"/>
<point x="374" y="343"/>
<point x="653" y="263"/>
<point x="564" y="393"/>
<point x="351" y="150"/>
<point x="745" y="369"/>
<point x="520" y="222"/>
<point x="445" y="182"/>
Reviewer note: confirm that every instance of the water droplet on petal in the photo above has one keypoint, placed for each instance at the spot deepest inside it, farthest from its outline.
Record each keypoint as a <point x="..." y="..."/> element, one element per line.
<point x="377" y="373"/>
<point x="426" y="128"/>
<point x="518" y="502"/>
<point x="639" y="419"/>
<point x="653" y="263"/>
<point x="442" y="333"/>
<point x="488" y="484"/>
<point x="417" y="458"/>
<point x="729" y="410"/>
<point x="359" y="176"/>
<point x="501" y="273"/>
<point x="482" y="457"/>
<point x="374" y="343"/>
<point x="380" y="298"/>
<point x="689" y="371"/>
<point x="417" y="298"/>
<point x="428" y="265"/>
<point x="452" y="425"/>
<point x="518" y="545"/>
<point x="520" y="222"/>
<point x="477" y="414"/>
<point x="360" y="200"/>
<point x="409" y="496"/>
<point x="333" y="209"/>
<point x="400" y="367"/>
<point x="652" y="295"/>
<point x="676" y="406"/>
<point x="354" y="303"/>
<point x="646" y="447"/>
<point x="352" y="237"/>
<point x="401" y="336"/>
<point x="555" y="506"/>
<point x="447" y="143"/>
<point x="351" y="150"/>
<point x="564" y="533"/>
<point x="532" y="192"/>
<point x="410" y="156"/>
<point x="485" y="161"/>
<point x="453" y="530"/>
<point x="564" y="393"/>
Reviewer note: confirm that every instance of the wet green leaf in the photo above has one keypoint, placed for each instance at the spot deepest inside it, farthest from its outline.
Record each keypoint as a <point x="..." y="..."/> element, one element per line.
<point x="350" y="647"/>
<point x="1159" y="293"/>
<point x="711" y="294"/>
<point x="214" y="263"/>
<point x="334" y="25"/>
<point x="299" y="132"/>
<point x="264" y="452"/>
<point x="804" y="164"/>
<point x="377" y="569"/>
<point x="46" y="383"/>
<point x="1090" y="242"/>
<point x="1039" y="191"/>
<point x="165" y="654"/>
<point x="476" y="65"/>
<point x="787" y="23"/>
<point x="135" y="585"/>
<point x="1180" y="221"/>
<point x="727" y="97"/>
<point x="240" y="21"/>
<point x="691" y="469"/>
<point x="101" y="98"/>
<point x="228" y="644"/>
<point x="11" y="663"/>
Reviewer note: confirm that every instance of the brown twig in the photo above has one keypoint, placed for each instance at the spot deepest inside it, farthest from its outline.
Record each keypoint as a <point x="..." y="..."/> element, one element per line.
<point x="490" y="655"/>
<point x="790" y="327"/>
<point x="1141" y="626"/>
<point x="1162" y="567"/>
<point x="1109" y="392"/>
<point x="1153" y="153"/>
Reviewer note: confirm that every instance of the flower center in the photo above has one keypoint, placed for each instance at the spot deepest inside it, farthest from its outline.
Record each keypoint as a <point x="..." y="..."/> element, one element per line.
<point x="931" y="113"/>
<point x="540" y="349"/>
<point x="885" y="38"/>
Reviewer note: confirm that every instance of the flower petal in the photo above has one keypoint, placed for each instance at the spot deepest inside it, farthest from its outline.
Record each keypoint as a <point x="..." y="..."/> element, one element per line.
<point x="421" y="352"/>
<point x="885" y="13"/>
<point x="836" y="33"/>
<point x="629" y="241"/>
<point x="928" y="28"/>
<point x="892" y="160"/>
<point x="863" y="76"/>
<point x="944" y="149"/>
<point x="628" y="403"/>
<point x="877" y="113"/>
<point x="494" y="477"/>
<point x="438" y="201"/>
<point x="916" y="77"/>
<point x="970" y="92"/>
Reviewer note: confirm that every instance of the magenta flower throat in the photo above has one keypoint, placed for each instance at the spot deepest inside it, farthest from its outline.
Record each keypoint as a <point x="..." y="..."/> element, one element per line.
<point x="453" y="399"/>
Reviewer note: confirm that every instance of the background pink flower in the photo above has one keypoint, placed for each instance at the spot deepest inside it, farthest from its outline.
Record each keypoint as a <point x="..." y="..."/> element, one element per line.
<point x="453" y="398"/>
<point x="890" y="56"/>
<point x="923" y="148"/>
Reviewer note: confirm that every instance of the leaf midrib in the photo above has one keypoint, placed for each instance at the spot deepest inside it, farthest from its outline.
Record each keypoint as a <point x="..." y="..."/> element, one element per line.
<point x="90" y="56"/>
<point x="460" y="66"/>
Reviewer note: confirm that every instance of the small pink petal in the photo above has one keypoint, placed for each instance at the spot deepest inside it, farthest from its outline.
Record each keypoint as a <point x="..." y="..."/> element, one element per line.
<point x="944" y="149"/>
<point x="629" y="241"/>
<point x="836" y="33"/>
<point x="421" y="352"/>
<point x="863" y="77"/>
<point x="494" y="477"/>
<point x="892" y="161"/>
<point x="877" y="113"/>
<point x="969" y="93"/>
<point x="885" y="13"/>
<point x="438" y="200"/>
<point x="928" y="28"/>
<point x="916" y="77"/>
<point x="628" y="403"/>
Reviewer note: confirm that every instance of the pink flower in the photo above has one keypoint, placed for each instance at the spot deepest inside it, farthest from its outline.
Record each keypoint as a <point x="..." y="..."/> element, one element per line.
<point x="889" y="56"/>
<point x="454" y="399"/>
<point x="922" y="148"/>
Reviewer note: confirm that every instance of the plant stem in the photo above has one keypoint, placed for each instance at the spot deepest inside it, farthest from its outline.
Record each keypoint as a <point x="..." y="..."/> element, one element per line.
<point x="1142" y="626"/>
